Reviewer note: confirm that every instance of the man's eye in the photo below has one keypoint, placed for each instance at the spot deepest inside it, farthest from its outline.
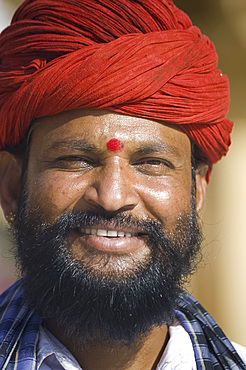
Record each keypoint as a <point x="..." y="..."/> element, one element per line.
<point x="154" y="166"/>
<point x="156" y="162"/>
<point x="74" y="162"/>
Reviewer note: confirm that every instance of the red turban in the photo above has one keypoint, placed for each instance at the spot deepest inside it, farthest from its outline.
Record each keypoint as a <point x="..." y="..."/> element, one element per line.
<point x="138" y="57"/>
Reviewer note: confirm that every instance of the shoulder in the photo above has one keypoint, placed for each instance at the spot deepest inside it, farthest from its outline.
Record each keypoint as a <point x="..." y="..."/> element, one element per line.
<point x="10" y="305"/>
<point x="240" y="350"/>
<point x="10" y="295"/>
<point x="19" y="329"/>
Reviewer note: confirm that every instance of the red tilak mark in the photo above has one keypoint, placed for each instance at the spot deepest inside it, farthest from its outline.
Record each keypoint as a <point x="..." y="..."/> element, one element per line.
<point x="114" y="145"/>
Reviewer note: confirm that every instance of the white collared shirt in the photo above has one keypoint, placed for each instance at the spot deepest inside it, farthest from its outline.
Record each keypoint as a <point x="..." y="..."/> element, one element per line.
<point x="178" y="354"/>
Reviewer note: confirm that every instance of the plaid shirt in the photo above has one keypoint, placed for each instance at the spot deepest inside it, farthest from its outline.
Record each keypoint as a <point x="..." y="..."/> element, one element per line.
<point x="19" y="334"/>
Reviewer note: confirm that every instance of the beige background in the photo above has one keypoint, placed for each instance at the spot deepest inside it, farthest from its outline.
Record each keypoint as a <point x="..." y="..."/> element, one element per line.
<point x="220" y="283"/>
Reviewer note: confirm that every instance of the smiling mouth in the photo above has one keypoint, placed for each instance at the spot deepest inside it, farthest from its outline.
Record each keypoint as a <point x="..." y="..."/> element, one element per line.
<point x="109" y="233"/>
<point x="111" y="239"/>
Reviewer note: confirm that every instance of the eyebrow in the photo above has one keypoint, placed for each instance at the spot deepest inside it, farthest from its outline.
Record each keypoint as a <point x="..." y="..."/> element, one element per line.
<point x="80" y="145"/>
<point x="158" y="147"/>
<point x="147" y="148"/>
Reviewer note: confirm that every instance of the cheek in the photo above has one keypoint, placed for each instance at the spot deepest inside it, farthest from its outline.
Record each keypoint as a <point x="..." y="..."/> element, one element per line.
<point x="166" y="199"/>
<point x="53" y="194"/>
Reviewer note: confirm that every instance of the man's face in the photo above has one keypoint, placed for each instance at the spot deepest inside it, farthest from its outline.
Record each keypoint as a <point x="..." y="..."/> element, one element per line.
<point x="115" y="228"/>
<point x="71" y="169"/>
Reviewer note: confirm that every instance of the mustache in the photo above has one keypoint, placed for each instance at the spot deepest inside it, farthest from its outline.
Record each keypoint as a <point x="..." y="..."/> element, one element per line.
<point x="82" y="219"/>
<point x="42" y="235"/>
<point x="70" y="221"/>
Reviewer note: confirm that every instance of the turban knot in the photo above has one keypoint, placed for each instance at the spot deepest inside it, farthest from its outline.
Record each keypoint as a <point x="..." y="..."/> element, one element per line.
<point x="142" y="58"/>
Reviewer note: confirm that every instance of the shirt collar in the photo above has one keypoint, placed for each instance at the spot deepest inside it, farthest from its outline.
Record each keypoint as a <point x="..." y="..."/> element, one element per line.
<point x="53" y="353"/>
<point x="178" y="354"/>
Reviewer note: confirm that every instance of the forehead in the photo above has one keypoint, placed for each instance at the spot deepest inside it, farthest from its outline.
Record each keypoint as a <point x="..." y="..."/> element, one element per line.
<point x="97" y="127"/>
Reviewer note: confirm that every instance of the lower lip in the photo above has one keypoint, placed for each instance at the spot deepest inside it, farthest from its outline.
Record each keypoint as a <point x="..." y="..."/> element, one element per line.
<point x="118" y="245"/>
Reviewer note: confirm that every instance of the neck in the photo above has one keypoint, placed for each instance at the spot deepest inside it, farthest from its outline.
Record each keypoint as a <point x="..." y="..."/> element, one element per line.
<point x="143" y="354"/>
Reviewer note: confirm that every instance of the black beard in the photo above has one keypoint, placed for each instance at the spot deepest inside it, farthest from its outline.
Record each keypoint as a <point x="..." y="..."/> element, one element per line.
<point x="104" y="307"/>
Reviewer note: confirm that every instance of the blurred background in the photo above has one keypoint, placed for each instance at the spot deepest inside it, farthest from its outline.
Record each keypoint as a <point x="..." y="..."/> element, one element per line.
<point x="220" y="282"/>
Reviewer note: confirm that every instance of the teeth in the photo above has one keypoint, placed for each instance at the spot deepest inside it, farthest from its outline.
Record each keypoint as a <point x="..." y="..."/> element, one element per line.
<point x="108" y="233"/>
<point x="101" y="232"/>
<point x="112" y="233"/>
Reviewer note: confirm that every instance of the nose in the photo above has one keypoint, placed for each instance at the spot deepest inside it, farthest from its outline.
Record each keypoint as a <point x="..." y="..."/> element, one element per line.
<point x="112" y="187"/>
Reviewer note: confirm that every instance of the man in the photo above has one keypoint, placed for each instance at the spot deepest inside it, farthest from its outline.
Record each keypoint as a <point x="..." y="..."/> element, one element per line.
<point x="112" y="115"/>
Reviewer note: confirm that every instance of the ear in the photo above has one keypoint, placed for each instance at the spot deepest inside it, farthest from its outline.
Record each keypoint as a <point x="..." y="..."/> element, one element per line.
<point x="201" y="186"/>
<point x="10" y="175"/>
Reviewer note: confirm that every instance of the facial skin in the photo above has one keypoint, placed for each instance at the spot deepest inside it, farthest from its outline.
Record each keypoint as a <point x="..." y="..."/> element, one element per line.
<point x="70" y="170"/>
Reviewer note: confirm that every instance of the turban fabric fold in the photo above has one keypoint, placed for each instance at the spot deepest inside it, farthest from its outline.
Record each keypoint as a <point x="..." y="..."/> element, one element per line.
<point x="137" y="57"/>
